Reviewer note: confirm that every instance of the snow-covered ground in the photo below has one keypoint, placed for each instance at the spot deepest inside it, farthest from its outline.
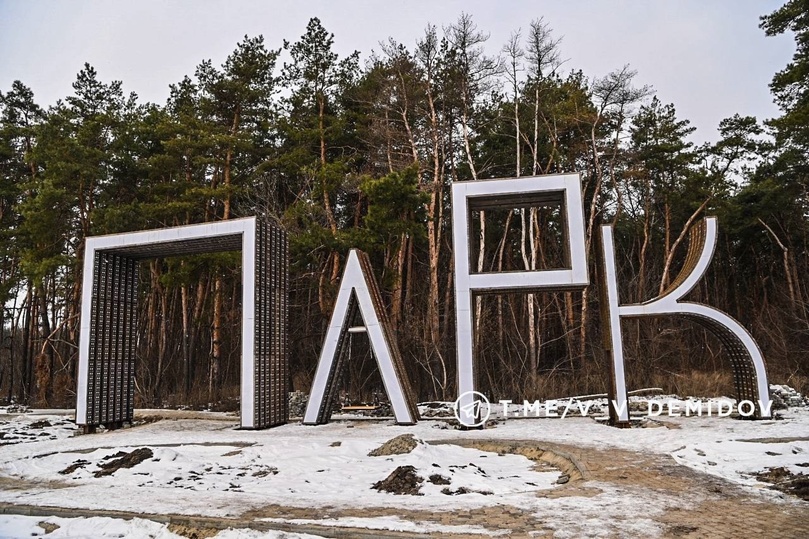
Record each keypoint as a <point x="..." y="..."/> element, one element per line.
<point x="18" y="526"/>
<point x="211" y="468"/>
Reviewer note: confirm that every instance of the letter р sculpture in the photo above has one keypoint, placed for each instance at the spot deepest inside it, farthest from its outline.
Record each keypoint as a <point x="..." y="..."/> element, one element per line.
<point x="467" y="197"/>
<point x="108" y="329"/>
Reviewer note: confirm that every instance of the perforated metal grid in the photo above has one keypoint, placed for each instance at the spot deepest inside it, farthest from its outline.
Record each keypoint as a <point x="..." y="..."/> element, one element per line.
<point x="196" y="246"/>
<point x="271" y="369"/>
<point x="113" y="340"/>
<point x="744" y="371"/>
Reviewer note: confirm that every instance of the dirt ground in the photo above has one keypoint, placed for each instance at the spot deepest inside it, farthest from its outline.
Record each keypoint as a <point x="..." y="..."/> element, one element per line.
<point x="684" y="503"/>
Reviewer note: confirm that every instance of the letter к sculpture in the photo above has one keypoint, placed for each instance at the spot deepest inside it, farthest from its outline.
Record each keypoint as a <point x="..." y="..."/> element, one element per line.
<point x="749" y="372"/>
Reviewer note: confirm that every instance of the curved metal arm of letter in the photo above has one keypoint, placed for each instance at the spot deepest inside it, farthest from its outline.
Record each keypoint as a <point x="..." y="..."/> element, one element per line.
<point x="749" y="371"/>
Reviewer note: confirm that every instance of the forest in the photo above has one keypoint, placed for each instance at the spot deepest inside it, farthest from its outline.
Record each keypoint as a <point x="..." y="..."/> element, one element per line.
<point x="346" y="153"/>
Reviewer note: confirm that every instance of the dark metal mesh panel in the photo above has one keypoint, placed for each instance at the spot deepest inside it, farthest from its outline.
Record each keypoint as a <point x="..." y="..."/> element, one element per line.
<point x="338" y="365"/>
<point x="390" y="335"/>
<point x="213" y="244"/>
<point x="744" y="370"/>
<point x="271" y="368"/>
<point x="697" y="237"/>
<point x="113" y="324"/>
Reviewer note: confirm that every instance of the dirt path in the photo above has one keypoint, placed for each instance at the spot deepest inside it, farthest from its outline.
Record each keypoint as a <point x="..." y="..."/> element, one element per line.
<point x="681" y="503"/>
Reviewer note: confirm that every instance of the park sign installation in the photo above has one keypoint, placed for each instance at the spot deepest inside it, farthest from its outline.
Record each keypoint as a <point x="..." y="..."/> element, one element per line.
<point x="108" y="339"/>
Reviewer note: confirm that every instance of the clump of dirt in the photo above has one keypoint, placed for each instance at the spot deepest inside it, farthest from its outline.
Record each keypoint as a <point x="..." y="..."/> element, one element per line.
<point x="126" y="460"/>
<point x="264" y="472"/>
<point x="404" y="443"/>
<point x="785" y="481"/>
<point x="49" y="527"/>
<point x="438" y="479"/>
<point x="681" y="530"/>
<point x="192" y="532"/>
<point x="75" y="466"/>
<point x="463" y="490"/>
<point x="402" y="480"/>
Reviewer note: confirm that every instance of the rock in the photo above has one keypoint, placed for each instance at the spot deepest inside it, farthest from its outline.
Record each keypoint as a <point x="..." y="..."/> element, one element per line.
<point x="784" y="480"/>
<point x="49" y="527"/>
<point x="681" y="530"/>
<point x="563" y="479"/>
<point x="128" y="460"/>
<point x="404" y="443"/>
<point x="75" y="466"/>
<point x="784" y="396"/>
<point x="18" y="409"/>
<point x="383" y="410"/>
<point x="463" y="490"/>
<point x="335" y="444"/>
<point x="438" y="479"/>
<point x="436" y="409"/>
<point x="402" y="480"/>
<point x="192" y="532"/>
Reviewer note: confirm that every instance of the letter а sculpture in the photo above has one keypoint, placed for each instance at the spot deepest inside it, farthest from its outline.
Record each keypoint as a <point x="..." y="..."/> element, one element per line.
<point x="360" y="292"/>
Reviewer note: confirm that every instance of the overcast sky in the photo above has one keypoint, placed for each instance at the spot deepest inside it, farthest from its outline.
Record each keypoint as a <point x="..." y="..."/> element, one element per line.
<point x="709" y="58"/>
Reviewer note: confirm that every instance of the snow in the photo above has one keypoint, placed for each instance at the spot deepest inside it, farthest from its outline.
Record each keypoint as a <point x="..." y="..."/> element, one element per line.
<point x="29" y="428"/>
<point x="393" y="523"/>
<point x="206" y="467"/>
<point x="13" y="526"/>
<point x="210" y="467"/>
<point x="613" y="512"/>
<point x="19" y="527"/>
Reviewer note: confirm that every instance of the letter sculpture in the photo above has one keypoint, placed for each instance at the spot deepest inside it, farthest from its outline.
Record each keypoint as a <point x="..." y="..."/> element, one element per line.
<point x="108" y="327"/>
<point x="360" y="292"/>
<point x="749" y="372"/>
<point x="564" y="190"/>
<point x="107" y="343"/>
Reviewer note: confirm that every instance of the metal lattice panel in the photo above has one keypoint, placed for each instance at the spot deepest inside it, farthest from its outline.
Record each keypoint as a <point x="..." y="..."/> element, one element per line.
<point x="108" y="340"/>
<point x="271" y="369"/>
<point x="113" y="339"/>
<point x="215" y="244"/>
<point x="337" y="367"/>
<point x="390" y="336"/>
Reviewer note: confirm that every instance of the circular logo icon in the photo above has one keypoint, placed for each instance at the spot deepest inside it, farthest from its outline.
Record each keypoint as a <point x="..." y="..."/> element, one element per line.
<point x="472" y="409"/>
